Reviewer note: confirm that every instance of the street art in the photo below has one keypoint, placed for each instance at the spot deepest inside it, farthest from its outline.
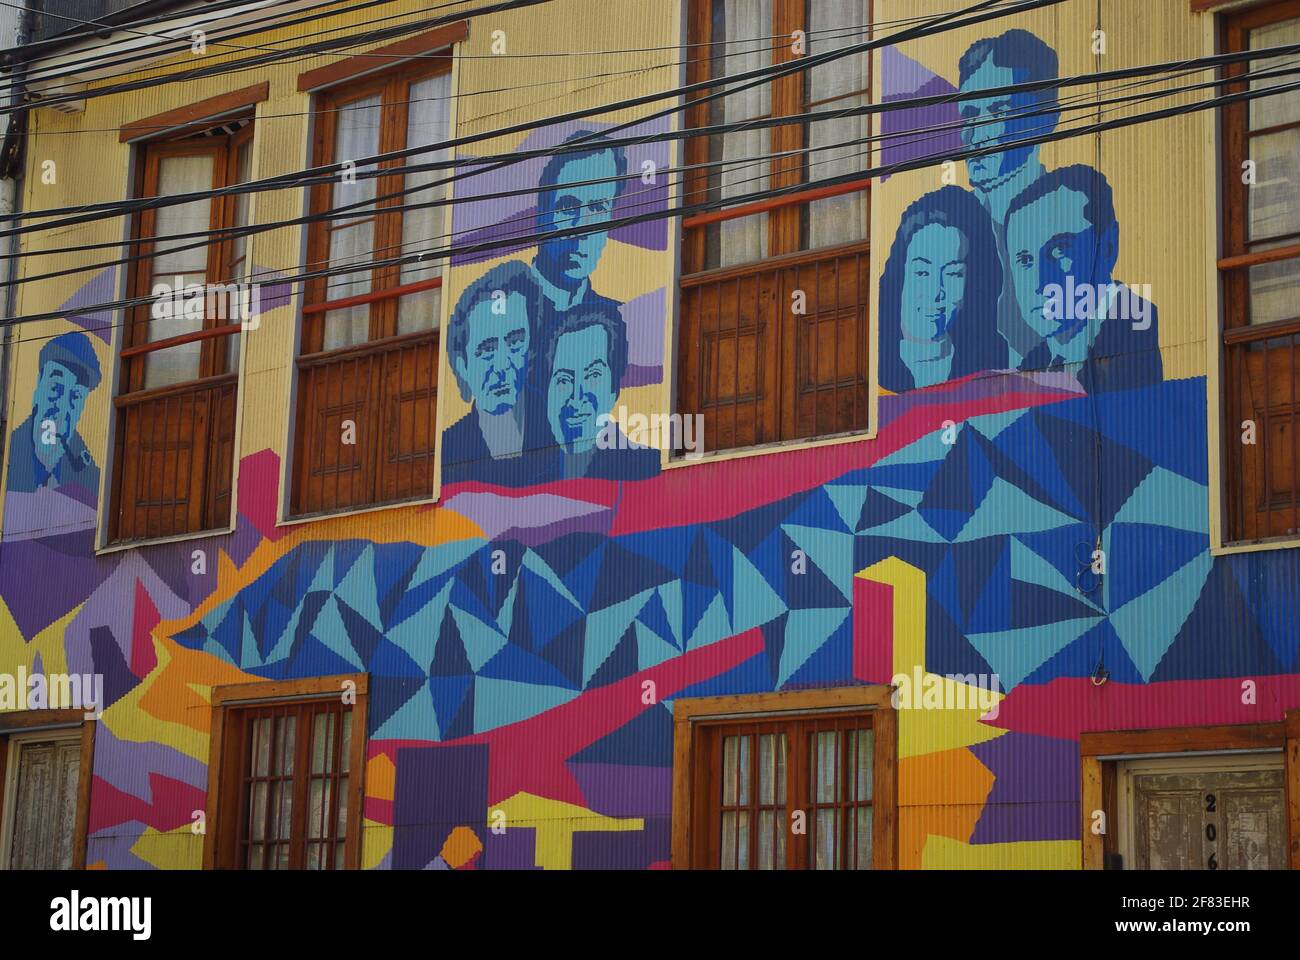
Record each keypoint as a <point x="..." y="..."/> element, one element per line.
<point x="50" y="453"/>
<point x="510" y="629"/>
<point x="557" y="382"/>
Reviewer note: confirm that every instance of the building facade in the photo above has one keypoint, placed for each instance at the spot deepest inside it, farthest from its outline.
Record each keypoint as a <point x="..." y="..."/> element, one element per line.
<point x="581" y="468"/>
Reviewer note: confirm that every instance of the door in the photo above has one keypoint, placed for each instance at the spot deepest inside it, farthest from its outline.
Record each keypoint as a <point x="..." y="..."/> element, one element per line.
<point x="43" y="803"/>
<point x="1205" y="813"/>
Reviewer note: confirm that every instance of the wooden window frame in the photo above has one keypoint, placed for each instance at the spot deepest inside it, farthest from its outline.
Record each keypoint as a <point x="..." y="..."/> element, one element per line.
<point x="194" y="113"/>
<point x="784" y="225"/>
<point x="385" y="287"/>
<point x="1099" y="775"/>
<point x="1245" y="505"/>
<point x="206" y="487"/>
<point x="54" y="721"/>
<point x="783" y="407"/>
<point x="691" y="714"/>
<point x="384" y="345"/>
<point x="220" y="842"/>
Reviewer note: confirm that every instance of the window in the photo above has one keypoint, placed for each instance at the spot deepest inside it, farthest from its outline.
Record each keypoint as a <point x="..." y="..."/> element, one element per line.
<point x="772" y="343"/>
<point x="45" y="776"/>
<point x="1260" y="271"/>
<point x="286" y="775"/>
<point x="368" y="365"/>
<point x="175" y="409"/>
<point x="783" y="782"/>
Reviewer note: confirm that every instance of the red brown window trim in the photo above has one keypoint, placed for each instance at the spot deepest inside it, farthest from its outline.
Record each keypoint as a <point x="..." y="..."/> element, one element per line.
<point x="202" y="110"/>
<point x="374" y="60"/>
<point x="229" y="760"/>
<point x="174" y="442"/>
<point x="1206" y="6"/>
<point x="698" y="723"/>
<point x="758" y="372"/>
<point x="383" y="380"/>
<point x="1260" y="350"/>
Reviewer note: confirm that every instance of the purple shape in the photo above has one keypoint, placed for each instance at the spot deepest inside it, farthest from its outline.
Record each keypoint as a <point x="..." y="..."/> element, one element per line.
<point x="127" y="765"/>
<point x="635" y="376"/>
<point x="617" y="790"/>
<point x="1030" y="768"/>
<point x="64" y="566"/>
<point x="98" y="289"/>
<point x="48" y="512"/>
<point x="644" y="318"/>
<point x="628" y="850"/>
<point x="112" y="847"/>
<point x="112" y="604"/>
<point x="1012" y="822"/>
<point x="923" y="131"/>
<point x="108" y="660"/>
<point x="516" y="849"/>
<point x="439" y="788"/>
<point x="1035" y="793"/>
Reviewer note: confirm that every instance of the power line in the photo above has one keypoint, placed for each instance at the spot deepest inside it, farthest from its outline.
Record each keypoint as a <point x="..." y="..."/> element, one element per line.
<point x="771" y="193"/>
<point x="229" y="233"/>
<point x="298" y="178"/>
<point x="303" y="178"/>
<point x="321" y="46"/>
<point x="832" y="34"/>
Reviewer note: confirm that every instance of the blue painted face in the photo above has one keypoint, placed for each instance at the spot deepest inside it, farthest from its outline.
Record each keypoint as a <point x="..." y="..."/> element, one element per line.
<point x="581" y="387"/>
<point x="988" y="121"/>
<point x="496" y="354"/>
<point x="1049" y="241"/>
<point x="934" y="281"/>
<point x="568" y="261"/>
<point x="59" y="398"/>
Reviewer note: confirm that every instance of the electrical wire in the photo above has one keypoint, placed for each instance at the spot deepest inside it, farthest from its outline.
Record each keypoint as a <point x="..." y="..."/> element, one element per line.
<point x="932" y="132"/>
<point x="915" y="163"/>
<point x="758" y="75"/>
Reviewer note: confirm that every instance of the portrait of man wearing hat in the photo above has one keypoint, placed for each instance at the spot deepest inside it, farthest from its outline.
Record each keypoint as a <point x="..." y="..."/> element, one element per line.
<point x="47" y="450"/>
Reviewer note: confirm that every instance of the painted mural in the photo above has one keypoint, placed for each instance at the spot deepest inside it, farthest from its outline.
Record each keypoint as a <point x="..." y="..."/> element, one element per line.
<point x="540" y="355"/>
<point x="509" y="629"/>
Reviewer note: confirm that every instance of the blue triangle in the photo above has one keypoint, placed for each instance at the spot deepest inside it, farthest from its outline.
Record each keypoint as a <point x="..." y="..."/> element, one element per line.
<point x="992" y="610"/>
<point x="654" y="617"/>
<point x="448" y="698"/>
<point x="831" y="662"/>
<point x="644" y="741"/>
<point x="390" y="660"/>
<point x="513" y="663"/>
<point x="549" y="613"/>
<point x="1142" y="556"/>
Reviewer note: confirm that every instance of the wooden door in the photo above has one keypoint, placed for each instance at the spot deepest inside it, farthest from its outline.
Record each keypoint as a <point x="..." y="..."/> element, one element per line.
<point x="44" y="822"/>
<point x="1209" y="820"/>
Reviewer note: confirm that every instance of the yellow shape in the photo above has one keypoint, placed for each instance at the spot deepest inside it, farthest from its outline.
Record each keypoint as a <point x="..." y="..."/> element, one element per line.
<point x="376" y="841"/>
<point x="16" y="651"/>
<point x="555" y="823"/>
<point x="943" y="853"/>
<point x="178" y="849"/>
<point x="922" y="730"/>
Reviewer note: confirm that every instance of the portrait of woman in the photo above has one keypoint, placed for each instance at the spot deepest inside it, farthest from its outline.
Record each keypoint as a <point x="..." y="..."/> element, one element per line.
<point x="939" y="294"/>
